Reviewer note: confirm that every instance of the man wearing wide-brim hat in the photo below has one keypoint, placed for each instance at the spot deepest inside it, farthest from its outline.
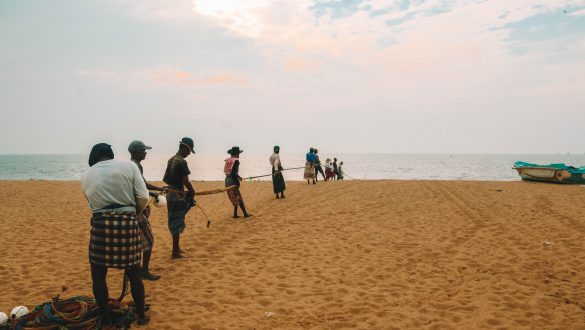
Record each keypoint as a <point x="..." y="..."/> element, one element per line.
<point x="232" y="178"/>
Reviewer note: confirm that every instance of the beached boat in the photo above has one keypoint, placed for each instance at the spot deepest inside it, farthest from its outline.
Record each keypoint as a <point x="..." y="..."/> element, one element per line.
<point x="553" y="173"/>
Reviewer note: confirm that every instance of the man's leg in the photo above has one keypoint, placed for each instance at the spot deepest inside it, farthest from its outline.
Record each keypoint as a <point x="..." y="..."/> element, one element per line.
<point x="100" y="291"/>
<point x="137" y="290"/>
<point x="176" y="248"/>
<point x="145" y="263"/>
<point x="243" y="207"/>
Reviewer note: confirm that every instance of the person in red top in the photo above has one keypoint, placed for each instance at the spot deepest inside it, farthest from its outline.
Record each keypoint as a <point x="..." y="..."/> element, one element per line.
<point x="232" y="178"/>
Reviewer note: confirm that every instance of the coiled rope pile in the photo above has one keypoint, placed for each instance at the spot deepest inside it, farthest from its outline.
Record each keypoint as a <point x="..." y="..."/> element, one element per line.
<point x="77" y="313"/>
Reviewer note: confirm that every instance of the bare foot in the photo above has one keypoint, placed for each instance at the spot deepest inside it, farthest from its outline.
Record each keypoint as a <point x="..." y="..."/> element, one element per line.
<point x="247" y="215"/>
<point x="177" y="256"/>
<point x="236" y="216"/>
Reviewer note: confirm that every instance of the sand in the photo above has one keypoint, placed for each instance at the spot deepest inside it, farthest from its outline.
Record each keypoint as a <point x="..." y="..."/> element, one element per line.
<point x="354" y="255"/>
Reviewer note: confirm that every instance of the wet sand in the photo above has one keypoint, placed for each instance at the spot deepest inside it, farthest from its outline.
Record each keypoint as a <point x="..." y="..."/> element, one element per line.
<point x="354" y="255"/>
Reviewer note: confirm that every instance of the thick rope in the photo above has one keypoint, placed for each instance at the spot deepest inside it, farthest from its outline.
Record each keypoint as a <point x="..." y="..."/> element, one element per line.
<point x="80" y="313"/>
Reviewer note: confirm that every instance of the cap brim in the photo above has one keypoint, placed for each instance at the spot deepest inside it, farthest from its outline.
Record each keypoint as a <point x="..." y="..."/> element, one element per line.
<point x="147" y="147"/>
<point x="188" y="146"/>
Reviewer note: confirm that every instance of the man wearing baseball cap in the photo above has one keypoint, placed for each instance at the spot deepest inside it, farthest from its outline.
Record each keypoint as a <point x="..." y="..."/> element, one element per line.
<point x="179" y="202"/>
<point x="137" y="151"/>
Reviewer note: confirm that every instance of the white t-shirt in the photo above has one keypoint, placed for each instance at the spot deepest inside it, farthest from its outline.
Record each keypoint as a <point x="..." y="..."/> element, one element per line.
<point x="112" y="182"/>
<point x="275" y="160"/>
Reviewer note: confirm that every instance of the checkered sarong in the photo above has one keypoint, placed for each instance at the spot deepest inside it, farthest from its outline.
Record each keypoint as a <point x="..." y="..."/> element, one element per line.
<point x="114" y="240"/>
<point x="146" y="236"/>
<point x="309" y="171"/>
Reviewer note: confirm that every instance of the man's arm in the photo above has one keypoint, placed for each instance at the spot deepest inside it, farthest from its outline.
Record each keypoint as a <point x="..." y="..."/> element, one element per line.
<point x="140" y="191"/>
<point x="187" y="184"/>
<point x="150" y="186"/>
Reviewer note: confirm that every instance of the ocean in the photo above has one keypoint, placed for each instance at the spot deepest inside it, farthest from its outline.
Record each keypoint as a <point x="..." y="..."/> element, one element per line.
<point x="488" y="167"/>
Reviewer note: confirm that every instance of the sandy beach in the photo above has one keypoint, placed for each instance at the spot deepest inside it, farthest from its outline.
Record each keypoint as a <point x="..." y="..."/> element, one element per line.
<point x="353" y="255"/>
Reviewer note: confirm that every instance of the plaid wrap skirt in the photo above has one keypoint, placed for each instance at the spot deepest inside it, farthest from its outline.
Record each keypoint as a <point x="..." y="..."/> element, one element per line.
<point x="233" y="194"/>
<point x="146" y="236"/>
<point x="115" y="240"/>
<point x="309" y="171"/>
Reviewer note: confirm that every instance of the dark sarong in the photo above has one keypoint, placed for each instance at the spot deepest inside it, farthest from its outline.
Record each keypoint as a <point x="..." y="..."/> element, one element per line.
<point x="146" y="236"/>
<point x="177" y="208"/>
<point x="233" y="194"/>
<point x="329" y="174"/>
<point x="114" y="240"/>
<point x="278" y="182"/>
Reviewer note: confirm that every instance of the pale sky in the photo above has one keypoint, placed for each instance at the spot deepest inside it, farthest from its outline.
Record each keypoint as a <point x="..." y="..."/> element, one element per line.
<point x="436" y="76"/>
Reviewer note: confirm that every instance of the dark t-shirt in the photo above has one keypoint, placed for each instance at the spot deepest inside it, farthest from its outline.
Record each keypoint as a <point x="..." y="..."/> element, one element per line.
<point x="176" y="170"/>
<point x="317" y="161"/>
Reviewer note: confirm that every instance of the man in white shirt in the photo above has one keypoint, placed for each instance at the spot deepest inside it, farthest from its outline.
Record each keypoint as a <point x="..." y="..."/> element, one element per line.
<point x="116" y="192"/>
<point x="278" y="185"/>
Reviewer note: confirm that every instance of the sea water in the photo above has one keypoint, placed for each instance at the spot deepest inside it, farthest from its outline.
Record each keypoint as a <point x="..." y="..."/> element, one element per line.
<point x="356" y="166"/>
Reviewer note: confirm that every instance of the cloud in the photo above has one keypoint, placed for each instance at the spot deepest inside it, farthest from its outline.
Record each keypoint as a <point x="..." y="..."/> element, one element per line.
<point x="171" y="11"/>
<point x="579" y="13"/>
<point x="237" y="15"/>
<point x="298" y="64"/>
<point x="169" y="75"/>
<point x="96" y="73"/>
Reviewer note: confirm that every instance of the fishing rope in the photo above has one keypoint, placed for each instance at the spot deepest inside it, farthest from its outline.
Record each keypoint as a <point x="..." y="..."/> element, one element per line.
<point x="273" y="174"/>
<point x="77" y="313"/>
<point x="125" y="286"/>
<point x="205" y="214"/>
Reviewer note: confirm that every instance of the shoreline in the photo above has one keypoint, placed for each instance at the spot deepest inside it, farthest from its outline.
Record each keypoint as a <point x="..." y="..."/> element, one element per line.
<point x="354" y="254"/>
<point x="269" y="181"/>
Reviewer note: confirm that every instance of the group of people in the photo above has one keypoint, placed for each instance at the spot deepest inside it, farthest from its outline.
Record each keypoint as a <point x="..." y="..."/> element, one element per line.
<point x="333" y="171"/>
<point x="118" y="195"/>
<point x="121" y="235"/>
